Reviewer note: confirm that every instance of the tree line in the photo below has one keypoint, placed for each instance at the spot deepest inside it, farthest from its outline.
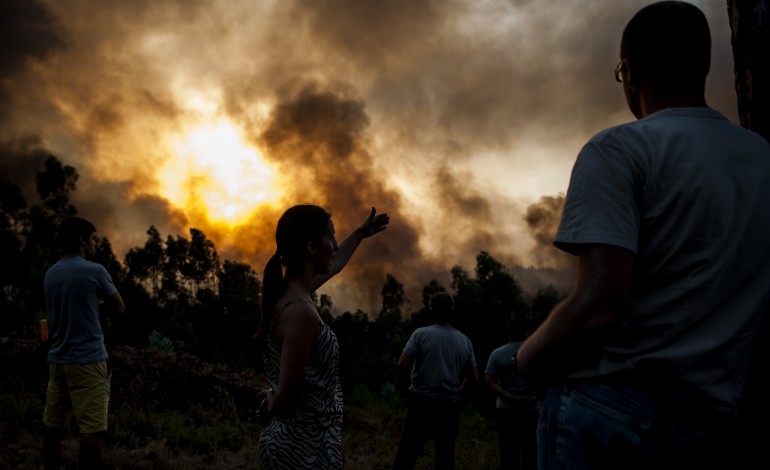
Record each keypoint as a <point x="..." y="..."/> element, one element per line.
<point x="179" y="290"/>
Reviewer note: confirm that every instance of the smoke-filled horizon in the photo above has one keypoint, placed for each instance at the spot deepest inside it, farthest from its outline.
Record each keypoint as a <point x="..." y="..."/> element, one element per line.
<point x="461" y="119"/>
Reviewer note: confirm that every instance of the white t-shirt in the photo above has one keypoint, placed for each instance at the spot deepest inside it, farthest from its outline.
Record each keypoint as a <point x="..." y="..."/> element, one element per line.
<point x="688" y="193"/>
<point x="442" y="357"/>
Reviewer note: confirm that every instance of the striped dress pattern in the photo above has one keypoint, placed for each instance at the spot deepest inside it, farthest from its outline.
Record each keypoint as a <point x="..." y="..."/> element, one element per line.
<point x="308" y="435"/>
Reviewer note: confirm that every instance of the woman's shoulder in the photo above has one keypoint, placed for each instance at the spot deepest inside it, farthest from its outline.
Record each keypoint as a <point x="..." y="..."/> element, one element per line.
<point x="287" y="303"/>
<point x="296" y="310"/>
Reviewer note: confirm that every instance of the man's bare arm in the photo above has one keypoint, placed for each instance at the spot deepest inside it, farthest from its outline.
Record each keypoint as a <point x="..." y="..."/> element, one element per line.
<point x="403" y="369"/>
<point x="116" y="303"/>
<point x="596" y="307"/>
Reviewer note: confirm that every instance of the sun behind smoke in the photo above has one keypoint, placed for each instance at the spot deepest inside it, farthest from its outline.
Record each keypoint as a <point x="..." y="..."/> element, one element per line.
<point x="213" y="173"/>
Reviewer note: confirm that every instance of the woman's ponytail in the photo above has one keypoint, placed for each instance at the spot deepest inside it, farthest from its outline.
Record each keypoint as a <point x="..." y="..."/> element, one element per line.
<point x="272" y="289"/>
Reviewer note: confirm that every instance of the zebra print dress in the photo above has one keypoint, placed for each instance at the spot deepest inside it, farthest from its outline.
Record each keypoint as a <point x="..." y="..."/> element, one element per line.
<point x="309" y="436"/>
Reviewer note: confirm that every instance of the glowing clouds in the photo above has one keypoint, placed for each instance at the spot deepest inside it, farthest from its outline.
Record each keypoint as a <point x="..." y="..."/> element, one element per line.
<point x="214" y="174"/>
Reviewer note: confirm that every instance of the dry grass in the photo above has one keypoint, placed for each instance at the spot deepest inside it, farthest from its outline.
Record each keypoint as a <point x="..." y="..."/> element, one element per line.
<point x="200" y="439"/>
<point x="202" y="418"/>
<point x="373" y="428"/>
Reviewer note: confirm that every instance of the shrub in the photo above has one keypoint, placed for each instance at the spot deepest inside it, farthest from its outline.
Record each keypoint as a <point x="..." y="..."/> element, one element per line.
<point x="161" y="342"/>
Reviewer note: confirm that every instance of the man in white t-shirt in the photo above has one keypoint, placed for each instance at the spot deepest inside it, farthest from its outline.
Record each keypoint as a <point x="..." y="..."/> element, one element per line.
<point x="443" y="362"/>
<point x="647" y="358"/>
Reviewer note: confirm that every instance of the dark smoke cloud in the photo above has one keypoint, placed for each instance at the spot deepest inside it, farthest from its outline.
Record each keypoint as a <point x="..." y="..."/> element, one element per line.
<point x="542" y="221"/>
<point x="318" y="138"/>
<point x="320" y="129"/>
<point x="471" y="221"/>
<point x="375" y="35"/>
<point x="28" y="32"/>
<point x="481" y="86"/>
<point x="20" y="159"/>
<point x="126" y="224"/>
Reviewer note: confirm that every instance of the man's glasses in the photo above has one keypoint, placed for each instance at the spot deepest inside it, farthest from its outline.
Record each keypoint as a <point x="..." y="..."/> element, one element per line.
<point x="619" y="72"/>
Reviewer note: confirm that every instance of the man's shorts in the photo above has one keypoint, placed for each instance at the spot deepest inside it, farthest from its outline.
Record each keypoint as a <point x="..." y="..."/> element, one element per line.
<point x="84" y="387"/>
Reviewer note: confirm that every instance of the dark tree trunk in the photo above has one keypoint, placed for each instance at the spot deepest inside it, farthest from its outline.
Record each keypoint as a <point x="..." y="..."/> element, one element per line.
<point x="750" y="25"/>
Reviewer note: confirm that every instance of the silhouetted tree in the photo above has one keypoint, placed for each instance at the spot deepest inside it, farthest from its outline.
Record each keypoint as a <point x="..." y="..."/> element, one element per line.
<point x="13" y="220"/>
<point x="54" y="185"/>
<point x="40" y="250"/>
<point x="423" y="317"/>
<point x="360" y="358"/>
<point x="501" y="296"/>
<point x="324" y="306"/>
<point x="239" y="302"/>
<point x="467" y="297"/>
<point x="202" y="264"/>
<point x="542" y="304"/>
<point x="175" y="260"/>
<point x="28" y="242"/>
<point x="433" y="287"/>
<point x="13" y="207"/>
<point x="750" y="26"/>
<point x="146" y="263"/>
<point x="13" y="223"/>
<point x="386" y="335"/>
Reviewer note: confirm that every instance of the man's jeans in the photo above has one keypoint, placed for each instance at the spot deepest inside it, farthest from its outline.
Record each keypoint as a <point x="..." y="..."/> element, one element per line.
<point x="429" y="419"/>
<point x="609" y="424"/>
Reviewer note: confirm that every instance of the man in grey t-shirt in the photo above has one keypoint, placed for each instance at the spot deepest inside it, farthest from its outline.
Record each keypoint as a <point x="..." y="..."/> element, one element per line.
<point x="443" y="362"/>
<point x="77" y="360"/>
<point x="646" y="360"/>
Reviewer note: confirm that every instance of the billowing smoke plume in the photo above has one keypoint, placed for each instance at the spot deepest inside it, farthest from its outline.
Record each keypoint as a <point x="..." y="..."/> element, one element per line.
<point x="19" y="160"/>
<point x="318" y="140"/>
<point x="542" y="220"/>
<point x="454" y="117"/>
<point x="29" y="33"/>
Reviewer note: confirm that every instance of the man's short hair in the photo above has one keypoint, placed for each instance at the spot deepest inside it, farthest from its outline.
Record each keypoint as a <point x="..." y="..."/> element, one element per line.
<point x="516" y="329"/>
<point x="670" y="42"/>
<point x="442" y="306"/>
<point x="71" y="231"/>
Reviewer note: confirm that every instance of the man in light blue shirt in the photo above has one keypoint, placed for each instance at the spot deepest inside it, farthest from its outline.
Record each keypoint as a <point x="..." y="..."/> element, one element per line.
<point x="77" y="360"/>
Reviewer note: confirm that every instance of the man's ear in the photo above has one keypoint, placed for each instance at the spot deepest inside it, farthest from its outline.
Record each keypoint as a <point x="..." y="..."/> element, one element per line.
<point x="634" y="75"/>
<point x="311" y="248"/>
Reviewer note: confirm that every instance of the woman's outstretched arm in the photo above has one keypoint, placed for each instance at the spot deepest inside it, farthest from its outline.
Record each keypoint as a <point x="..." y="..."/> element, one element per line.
<point x="373" y="224"/>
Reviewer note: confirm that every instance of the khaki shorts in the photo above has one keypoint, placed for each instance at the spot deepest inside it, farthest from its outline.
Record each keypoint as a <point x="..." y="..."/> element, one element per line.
<point x="83" y="387"/>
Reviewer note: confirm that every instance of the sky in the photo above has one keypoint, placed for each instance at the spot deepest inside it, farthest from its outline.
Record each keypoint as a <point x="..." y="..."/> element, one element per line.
<point x="460" y="119"/>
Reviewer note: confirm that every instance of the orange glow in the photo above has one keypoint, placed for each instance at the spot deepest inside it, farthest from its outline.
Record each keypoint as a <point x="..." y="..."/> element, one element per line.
<point x="214" y="173"/>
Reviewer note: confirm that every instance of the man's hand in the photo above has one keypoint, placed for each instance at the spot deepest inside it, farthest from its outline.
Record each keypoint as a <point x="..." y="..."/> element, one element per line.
<point x="403" y="374"/>
<point x="576" y="327"/>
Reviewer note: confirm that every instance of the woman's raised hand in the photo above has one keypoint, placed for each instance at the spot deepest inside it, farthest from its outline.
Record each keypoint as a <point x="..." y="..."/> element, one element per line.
<point x="373" y="224"/>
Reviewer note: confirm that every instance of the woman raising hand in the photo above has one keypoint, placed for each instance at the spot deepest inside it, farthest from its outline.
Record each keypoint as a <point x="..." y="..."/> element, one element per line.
<point x="302" y="354"/>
